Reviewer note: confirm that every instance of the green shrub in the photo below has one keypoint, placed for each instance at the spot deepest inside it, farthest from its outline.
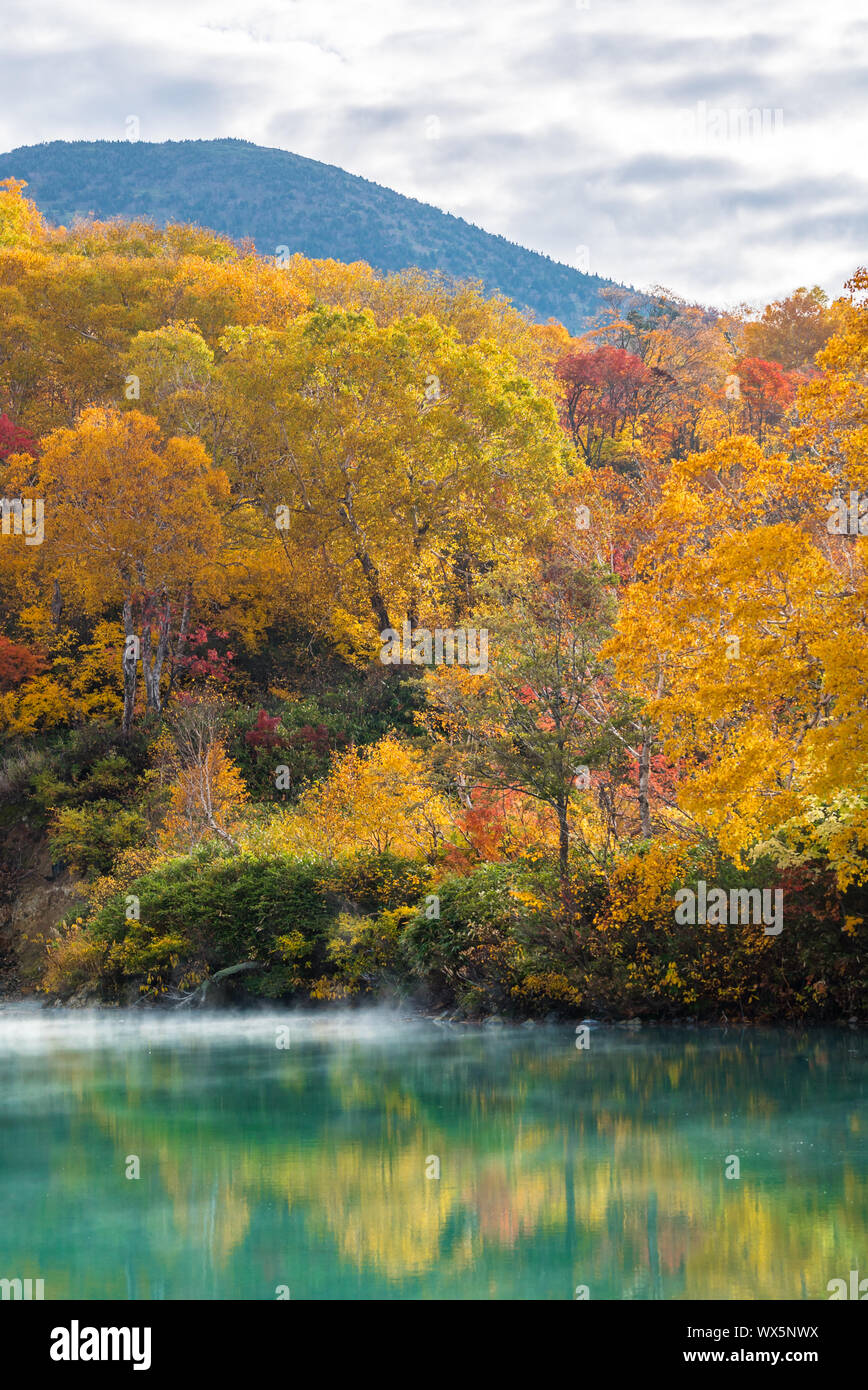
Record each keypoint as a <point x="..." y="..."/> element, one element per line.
<point x="73" y="768"/>
<point x="89" y="837"/>
<point x="494" y="940"/>
<point x="373" y="881"/>
<point x="366" y="952"/>
<point x="465" y="947"/>
<point x="212" y="909"/>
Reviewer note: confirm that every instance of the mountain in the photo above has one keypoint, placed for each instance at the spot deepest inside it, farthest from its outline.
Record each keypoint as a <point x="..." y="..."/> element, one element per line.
<point x="281" y="199"/>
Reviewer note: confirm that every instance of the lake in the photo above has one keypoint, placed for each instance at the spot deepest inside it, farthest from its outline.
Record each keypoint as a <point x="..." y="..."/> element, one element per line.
<point x="285" y="1154"/>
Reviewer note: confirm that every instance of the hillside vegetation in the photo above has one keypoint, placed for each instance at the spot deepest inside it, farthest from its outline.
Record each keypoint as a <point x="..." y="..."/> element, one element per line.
<point x="360" y="638"/>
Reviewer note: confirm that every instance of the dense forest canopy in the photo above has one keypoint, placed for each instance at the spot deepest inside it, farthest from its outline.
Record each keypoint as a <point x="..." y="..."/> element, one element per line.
<point x="357" y="629"/>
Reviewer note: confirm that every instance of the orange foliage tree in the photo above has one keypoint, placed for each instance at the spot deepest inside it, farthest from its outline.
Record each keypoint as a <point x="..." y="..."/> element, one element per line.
<point x="135" y="521"/>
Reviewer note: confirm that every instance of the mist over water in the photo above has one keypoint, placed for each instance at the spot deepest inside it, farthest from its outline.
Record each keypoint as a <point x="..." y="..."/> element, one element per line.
<point x="31" y="1028"/>
<point x="308" y="1166"/>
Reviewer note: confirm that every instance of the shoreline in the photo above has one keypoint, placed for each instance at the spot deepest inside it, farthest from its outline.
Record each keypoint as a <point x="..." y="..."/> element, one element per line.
<point x="249" y="1009"/>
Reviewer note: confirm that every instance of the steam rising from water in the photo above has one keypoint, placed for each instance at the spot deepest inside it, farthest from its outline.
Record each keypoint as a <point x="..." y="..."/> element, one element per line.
<point x="31" y="1029"/>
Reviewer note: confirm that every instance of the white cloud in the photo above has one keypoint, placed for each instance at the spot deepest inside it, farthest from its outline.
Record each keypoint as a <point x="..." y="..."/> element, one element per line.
<point x="559" y="126"/>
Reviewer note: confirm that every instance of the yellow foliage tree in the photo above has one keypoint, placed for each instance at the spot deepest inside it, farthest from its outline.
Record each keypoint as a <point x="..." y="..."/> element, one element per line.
<point x="84" y="683"/>
<point x="208" y="791"/>
<point x="135" y="521"/>
<point x="21" y="223"/>
<point x="746" y="637"/>
<point x="395" y="462"/>
<point x="374" y="799"/>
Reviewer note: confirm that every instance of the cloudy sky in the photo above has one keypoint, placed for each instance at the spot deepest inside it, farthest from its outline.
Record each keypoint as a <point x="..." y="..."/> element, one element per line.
<point x="717" y="147"/>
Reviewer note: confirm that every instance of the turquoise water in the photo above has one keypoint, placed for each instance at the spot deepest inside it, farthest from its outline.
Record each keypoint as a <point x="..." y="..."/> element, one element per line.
<point x="310" y="1168"/>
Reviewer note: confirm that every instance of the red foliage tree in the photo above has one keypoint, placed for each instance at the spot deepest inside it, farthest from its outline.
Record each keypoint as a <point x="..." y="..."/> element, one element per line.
<point x="605" y="390"/>
<point x="15" y="440"/>
<point x="264" y="733"/>
<point x="765" y="392"/>
<point x="315" y="739"/>
<point x="202" y="659"/>
<point x="17" y="664"/>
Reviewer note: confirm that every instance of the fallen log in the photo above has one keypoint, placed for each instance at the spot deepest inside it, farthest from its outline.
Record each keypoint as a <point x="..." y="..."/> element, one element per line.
<point x="197" y="997"/>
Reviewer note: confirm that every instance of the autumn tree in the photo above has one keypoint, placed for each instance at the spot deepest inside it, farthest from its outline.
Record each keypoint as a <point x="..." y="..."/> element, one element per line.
<point x="760" y="393"/>
<point x="609" y="396"/>
<point x="74" y="299"/>
<point x="15" y="440"/>
<point x="394" y="461"/>
<point x="208" y="792"/>
<point x="792" y="331"/>
<point x="17" y="664"/>
<point x="833" y="405"/>
<point x="378" y="799"/>
<point x="538" y="722"/>
<point x="21" y="223"/>
<point x="135" y="522"/>
<point x="686" y="355"/>
<point x="745" y="635"/>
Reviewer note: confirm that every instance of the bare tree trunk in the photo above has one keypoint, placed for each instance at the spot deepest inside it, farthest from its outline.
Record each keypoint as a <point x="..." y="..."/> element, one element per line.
<point x="463" y="793"/>
<point x="644" y="785"/>
<point x="146" y="660"/>
<point x="198" y="997"/>
<point x="206" y="793"/>
<point x="181" y="643"/>
<point x="161" y="652"/>
<point x="129" y="664"/>
<point x="369" y="569"/>
<point x="372" y="577"/>
<point x="153" y="658"/>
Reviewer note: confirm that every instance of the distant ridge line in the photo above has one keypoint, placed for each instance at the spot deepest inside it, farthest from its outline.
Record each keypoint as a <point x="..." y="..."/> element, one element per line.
<point x="277" y="198"/>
